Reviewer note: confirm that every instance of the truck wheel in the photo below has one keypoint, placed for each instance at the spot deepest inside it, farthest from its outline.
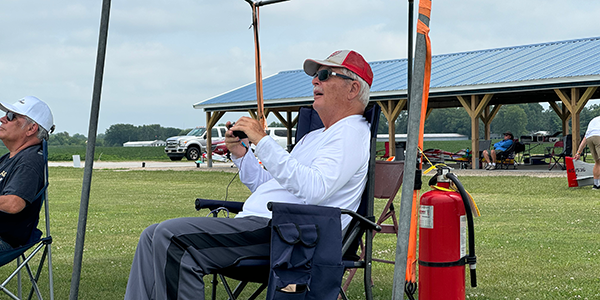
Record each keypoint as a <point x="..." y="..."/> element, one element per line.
<point x="193" y="153"/>
<point x="175" y="158"/>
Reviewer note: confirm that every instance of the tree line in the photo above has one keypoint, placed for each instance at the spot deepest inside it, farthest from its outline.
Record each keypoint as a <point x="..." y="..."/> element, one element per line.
<point x="117" y="134"/>
<point x="520" y="119"/>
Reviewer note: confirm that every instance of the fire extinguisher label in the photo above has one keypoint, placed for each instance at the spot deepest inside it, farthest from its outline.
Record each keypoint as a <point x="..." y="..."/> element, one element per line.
<point x="463" y="236"/>
<point x="426" y="216"/>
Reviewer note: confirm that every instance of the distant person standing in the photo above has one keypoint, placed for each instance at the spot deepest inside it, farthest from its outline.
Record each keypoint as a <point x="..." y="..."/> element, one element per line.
<point x="592" y="139"/>
<point x="499" y="147"/>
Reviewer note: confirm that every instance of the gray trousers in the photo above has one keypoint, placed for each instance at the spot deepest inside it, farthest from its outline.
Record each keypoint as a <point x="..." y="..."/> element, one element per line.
<point x="173" y="256"/>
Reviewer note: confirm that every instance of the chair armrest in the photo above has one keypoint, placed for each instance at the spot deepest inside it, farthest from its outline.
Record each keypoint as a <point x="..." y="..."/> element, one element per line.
<point x="231" y="206"/>
<point x="364" y="221"/>
<point x="368" y="224"/>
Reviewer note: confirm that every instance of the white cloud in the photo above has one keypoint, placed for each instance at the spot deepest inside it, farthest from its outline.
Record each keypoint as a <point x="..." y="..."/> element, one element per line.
<point x="163" y="56"/>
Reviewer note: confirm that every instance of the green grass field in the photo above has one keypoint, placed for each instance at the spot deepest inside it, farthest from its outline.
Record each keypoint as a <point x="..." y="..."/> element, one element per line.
<point x="536" y="238"/>
<point x="65" y="153"/>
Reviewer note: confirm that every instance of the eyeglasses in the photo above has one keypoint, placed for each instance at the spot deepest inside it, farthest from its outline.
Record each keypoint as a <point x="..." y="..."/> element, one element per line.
<point x="10" y="116"/>
<point x="326" y="73"/>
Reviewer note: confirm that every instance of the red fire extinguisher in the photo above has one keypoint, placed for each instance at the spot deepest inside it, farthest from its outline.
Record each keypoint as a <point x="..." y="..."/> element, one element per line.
<point x="444" y="216"/>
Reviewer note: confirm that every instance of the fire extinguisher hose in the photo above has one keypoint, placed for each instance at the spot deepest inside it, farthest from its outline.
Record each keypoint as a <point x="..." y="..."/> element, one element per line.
<point x="471" y="258"/>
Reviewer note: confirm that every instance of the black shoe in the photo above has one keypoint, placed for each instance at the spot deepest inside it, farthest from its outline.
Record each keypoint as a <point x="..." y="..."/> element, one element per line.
<point x="596" y="187"/>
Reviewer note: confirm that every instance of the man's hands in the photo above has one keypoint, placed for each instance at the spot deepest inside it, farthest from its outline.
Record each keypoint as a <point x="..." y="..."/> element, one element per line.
<point x="251" y="127"/>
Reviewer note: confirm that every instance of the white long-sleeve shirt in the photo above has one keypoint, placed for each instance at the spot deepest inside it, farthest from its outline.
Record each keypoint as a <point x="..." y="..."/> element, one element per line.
<point x="326" y="167"/>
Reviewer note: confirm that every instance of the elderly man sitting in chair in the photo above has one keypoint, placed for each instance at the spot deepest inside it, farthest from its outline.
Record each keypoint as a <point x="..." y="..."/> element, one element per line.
<point x="499" y="147"/>
<point x="27" y="122"/>
<point x="327" y="167"/>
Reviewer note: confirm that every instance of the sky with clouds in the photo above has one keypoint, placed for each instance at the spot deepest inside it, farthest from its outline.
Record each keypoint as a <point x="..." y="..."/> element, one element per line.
<point x="164" y="56"/>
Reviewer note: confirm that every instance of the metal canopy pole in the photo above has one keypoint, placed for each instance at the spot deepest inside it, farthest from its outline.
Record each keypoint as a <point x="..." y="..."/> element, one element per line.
<point x="411" y="10"/>
<point x="91" y="147"/>
<point x="260" y="113"/>
<point x="260" y="107"/>
<point x="411" y="163"/>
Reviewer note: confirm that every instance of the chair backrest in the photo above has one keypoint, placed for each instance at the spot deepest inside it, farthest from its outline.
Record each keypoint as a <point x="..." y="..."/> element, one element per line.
<point x="367" y="201"/>
<point x="519" y="147"/>
<point x="485" y="145"/>
<point x="512" y="146"/>
<point x="568" y="144"/>
<point x="388" y="178"/>
<point x="366" y="206"/>
<point x="308" y="120"/>
<point x="559" y="144"/>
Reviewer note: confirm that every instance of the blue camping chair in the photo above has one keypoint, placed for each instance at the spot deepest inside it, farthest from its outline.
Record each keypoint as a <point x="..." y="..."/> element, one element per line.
<point x="259" y="270"/>
<point x="37" y="242"/>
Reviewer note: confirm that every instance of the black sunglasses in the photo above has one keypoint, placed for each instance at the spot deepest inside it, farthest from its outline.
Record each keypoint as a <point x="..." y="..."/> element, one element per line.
<point x="326" y="73"/>
<point x="10" y="116"/>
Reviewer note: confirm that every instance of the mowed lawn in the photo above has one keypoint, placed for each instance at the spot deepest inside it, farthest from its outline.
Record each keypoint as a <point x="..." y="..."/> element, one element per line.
<point x="536" y="238"/>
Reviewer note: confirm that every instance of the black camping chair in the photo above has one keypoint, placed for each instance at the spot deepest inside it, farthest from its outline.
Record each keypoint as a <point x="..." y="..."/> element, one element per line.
<point x="37" y="242"/>
<point x="556" y="158"/>
<point x="506" y="158"/>
<point x="258" y="270"/>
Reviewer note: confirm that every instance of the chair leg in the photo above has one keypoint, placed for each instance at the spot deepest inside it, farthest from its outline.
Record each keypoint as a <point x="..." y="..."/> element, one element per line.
<point x="368" y="265"/>
<point x="33" y="281"/>
<point x="258" y="291"/>
<point x="20" y="283"/>
<point x="343" y="294"/>
<point x="215" y="282"/>
<point x="227" y="288"/>
<point x="38" y="273"/>
<point x="50" y="272"/>
<point x="239" y="288"/>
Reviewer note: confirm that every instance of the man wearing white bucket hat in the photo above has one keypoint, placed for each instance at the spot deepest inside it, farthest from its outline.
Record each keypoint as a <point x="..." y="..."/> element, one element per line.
<point x="27" y="122"/>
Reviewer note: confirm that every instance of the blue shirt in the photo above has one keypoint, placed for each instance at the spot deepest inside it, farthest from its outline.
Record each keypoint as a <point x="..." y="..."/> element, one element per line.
<point x="503" y="145"/>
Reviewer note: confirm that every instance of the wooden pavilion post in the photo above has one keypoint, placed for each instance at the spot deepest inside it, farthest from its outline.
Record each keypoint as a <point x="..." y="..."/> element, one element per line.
<point x="287" y="122"/>
<point x="563" y="113"/>
<point x="211" y="120"/>
<point x="391" y="110"/>
<point x="475" y="109"/>
<point x="574" y="104"/>
<point x="486" y="117"/>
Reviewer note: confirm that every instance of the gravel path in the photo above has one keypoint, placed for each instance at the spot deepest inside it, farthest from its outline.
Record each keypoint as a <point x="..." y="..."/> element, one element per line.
<point x="522" y="170"/>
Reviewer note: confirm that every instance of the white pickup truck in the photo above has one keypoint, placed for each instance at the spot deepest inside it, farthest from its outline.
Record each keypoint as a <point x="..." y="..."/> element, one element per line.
<point x="192" y="144"/>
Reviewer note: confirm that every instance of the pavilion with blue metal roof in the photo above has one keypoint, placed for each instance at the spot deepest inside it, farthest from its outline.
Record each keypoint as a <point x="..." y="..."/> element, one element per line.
<point x="565" y="74"/>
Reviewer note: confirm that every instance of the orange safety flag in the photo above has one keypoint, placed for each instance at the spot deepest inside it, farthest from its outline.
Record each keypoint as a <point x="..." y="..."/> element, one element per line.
<point x="411" y="264"/>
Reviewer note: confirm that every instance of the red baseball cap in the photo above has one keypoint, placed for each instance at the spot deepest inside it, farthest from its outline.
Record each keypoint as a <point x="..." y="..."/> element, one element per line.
<point x="348" y="59"/>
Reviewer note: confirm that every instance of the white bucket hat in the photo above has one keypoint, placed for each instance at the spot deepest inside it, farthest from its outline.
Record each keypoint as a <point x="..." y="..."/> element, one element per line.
<point x="33" y="108"/>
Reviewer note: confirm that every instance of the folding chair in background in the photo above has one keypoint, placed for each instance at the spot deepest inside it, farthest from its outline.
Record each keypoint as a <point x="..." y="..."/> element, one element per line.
<point x="258" y="270"/>
<point x="37" y="241"/>
<point x="567" y="148"/>
<point x="388" y="179"/>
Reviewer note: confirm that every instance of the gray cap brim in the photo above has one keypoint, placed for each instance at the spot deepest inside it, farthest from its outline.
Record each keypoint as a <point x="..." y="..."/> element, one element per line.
<point x="311" y="66"/>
